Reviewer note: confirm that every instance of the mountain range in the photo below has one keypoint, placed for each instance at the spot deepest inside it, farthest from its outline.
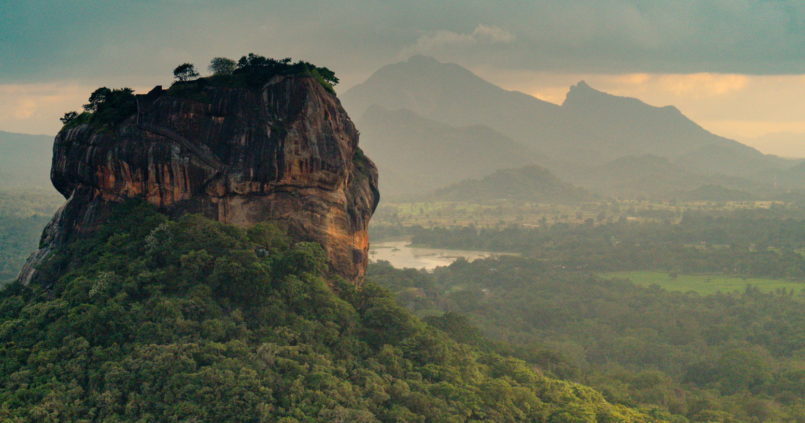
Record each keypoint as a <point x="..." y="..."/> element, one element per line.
<point x="585" y="135"/>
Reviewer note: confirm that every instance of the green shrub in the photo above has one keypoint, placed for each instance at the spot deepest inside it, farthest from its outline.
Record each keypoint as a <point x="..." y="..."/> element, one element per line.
<point x="105" y="109"/>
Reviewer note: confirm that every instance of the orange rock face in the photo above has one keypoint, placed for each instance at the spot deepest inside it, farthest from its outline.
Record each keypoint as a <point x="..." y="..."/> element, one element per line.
<point x="285" y="152"/>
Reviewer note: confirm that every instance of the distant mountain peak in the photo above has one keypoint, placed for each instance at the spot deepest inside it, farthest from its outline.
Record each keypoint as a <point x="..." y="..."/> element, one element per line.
<point x="583" y="93"/>
<point x="422" y="59"/>
<point x="449" y="93"/>
<point x="427" y="67"/>
<point x="591" y="127"/>
<point x="584" y="97"/>
<point x="582" y="85"/>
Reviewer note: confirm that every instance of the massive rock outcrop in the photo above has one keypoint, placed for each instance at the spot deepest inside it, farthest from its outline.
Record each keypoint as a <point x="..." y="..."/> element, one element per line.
<point x="285" y="151"/>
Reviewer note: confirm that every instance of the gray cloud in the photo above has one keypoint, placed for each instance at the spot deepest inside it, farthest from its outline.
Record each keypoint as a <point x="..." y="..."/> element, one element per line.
<point x="44" y="40"/>
<point x="436" y="42"/>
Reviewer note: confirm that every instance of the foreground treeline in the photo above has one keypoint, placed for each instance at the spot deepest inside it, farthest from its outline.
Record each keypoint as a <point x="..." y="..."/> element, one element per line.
<point x="719" y="358"/>
<point x="192" y="320"/>
<point x="747" y="243"/>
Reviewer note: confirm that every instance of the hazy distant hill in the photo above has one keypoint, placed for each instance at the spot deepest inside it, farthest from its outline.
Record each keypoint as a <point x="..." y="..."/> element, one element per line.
<point x="733" y="158"/>
<point x="416" y="155"/>
<point x="530" y="183"/>
<point x="453" y="95"/>
<point x="25" y="160"/>
<point x="589" y="129"/>
<point x="651" y="177"/>
<point x="627" y="126"/>
<point x="792" y="177"/>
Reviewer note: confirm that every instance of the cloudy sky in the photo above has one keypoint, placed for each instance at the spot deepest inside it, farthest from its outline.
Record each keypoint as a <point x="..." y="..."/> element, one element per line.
<point x="735" y="66"/>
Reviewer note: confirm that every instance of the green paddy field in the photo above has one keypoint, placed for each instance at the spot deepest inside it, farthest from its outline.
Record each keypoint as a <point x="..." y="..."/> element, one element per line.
<point x="704" y="284"/>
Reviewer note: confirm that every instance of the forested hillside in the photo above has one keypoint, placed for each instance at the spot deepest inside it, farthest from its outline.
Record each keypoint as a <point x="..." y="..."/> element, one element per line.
<point x="177" y="320"/>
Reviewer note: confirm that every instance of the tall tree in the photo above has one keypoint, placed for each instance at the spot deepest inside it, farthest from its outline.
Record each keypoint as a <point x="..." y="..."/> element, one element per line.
<point x="184" y="72"/>
<point x="222" y="66"/>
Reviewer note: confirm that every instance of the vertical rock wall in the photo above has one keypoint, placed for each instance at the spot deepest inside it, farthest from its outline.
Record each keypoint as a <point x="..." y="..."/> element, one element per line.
<point x="284" y="152"/>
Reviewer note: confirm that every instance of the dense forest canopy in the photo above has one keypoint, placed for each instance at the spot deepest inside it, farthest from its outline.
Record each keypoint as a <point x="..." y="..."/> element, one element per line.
<point x="170" y="320"/>
<point x="724" y="358"/>
<point x="148" y="291"/>
<point x="566" y="303"/>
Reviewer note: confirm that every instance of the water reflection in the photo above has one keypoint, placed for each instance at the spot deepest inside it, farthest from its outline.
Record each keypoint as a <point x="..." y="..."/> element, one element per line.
<point x="402" y="255"/>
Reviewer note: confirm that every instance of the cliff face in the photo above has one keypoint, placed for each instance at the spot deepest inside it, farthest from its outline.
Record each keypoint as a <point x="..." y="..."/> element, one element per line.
<point x="284" y="152"/>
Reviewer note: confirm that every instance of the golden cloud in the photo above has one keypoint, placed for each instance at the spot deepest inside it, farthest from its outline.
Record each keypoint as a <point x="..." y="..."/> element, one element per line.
<point x="702" y="84"/>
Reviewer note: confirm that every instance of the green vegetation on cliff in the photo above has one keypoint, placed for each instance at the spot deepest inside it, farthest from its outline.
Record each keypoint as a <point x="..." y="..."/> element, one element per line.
<point x="250" y="71"/>
<point x="108" y="107"/>
<point x="192" y="320"/>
